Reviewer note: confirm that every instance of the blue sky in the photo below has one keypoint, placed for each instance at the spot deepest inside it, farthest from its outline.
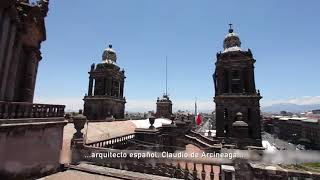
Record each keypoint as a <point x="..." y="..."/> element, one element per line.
<point x="282" y="35"/>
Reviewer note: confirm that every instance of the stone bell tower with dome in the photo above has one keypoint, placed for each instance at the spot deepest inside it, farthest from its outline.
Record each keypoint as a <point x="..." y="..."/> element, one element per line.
<point x="105" y="99"/>
<point x="236" y="98"/>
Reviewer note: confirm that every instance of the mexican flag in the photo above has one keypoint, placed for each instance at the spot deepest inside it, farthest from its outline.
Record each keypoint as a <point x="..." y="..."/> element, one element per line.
<point x="198" y="119"/>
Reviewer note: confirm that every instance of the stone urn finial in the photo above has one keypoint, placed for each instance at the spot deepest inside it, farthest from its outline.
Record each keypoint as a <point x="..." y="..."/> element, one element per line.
<point x="173" y="117"/>
<point x="79" y="121"/>
<point x="152" y="120"/>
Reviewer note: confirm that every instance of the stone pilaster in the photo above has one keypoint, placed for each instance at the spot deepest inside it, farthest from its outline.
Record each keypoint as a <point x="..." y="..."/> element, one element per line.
<point x="30" y="75"/>
<point x="229" y="81"/>
<point x="7" y="61"/>
<point x="121" y="89"/>
<point x="4" y="35"/>
<point x="90" y="86"/>
<point x="9" y="93"/>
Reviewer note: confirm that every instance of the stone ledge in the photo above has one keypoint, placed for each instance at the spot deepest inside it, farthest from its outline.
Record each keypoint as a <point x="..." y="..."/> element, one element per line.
<point x="33" y="125"/>
<point x="115" y="173"/>
<point x="31" y="120"/>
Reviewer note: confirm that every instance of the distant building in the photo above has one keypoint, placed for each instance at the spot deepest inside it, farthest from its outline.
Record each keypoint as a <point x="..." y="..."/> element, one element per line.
<point x="316" y="111"/>
<point x="299" y="130"/>
<point x="105" y="98"/>
<point x="164" y="107"/>
<point x="236" y="97"/>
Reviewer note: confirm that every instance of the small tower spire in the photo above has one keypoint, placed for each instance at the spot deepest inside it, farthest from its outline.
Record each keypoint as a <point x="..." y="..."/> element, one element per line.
<point x="195" y="107"/>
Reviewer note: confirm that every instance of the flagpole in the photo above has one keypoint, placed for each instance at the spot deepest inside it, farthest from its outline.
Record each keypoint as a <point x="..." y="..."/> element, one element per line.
<point x="166" y="75"/>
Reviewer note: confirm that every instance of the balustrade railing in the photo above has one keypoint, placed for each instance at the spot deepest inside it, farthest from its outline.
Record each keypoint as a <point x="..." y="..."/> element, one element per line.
<point x="203" y="138"/>
<point x="16" y="110"/>
<point x="119" y="141"/>
<point x="173" y="167"/>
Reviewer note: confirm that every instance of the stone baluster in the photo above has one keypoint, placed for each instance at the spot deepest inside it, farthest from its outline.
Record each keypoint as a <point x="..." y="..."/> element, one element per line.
<point x="203" y="173"/>
<point x="211" y="172"/>
<point x="50" y="111"/>
<point x="194" y="172"/>
<point x="186" y="170"/>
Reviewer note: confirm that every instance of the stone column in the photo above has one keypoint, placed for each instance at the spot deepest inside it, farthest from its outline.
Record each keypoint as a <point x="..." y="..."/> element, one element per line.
<point x="252" y="79"/>
<point x="111" y="87"/>
<point x="121" y="90"/>
<point x="251" y="83"/>
<point x="90" y="86"/>
<point x="229" y="81"/>
<point x="7" y="61"/>
<point x="242" y="88"/>
<point x="219" y="121"/>
<point x="220" y="81"/>
<point x="103" y="84"/>
<point x="108" y="86"/>
<point x="12" y="78"/>
<point x="95" y="86"/>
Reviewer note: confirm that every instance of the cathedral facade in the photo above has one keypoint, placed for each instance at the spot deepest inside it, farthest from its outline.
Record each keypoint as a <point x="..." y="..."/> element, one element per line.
<point x="236" y="97"/>
<point x="105" y="98"/>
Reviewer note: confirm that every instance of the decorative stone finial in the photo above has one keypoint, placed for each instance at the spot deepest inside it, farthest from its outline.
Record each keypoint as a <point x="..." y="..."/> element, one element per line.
<point x="79" y="122"/>
<point x="173" y="117"/>
<point x="151" y="121"/>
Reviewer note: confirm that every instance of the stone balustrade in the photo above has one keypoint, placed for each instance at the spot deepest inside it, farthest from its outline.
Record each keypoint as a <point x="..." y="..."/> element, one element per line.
<point x="17" y="110"/>
<point x="203" y="138"/>
<point x="173" y="167"/>
<point x="115" y="142"/>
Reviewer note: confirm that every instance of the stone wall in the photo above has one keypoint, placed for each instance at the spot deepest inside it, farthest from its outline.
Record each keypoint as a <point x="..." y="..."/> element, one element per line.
<point x="30" y="149"/>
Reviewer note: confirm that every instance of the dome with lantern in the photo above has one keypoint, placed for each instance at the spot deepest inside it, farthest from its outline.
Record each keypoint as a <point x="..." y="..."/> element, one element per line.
<point x="231" y="41"/>
<point x="109" y="55"/>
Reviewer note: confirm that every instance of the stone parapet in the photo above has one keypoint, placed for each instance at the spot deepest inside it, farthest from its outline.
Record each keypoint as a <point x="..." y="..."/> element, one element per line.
<point x="30" y="147"/>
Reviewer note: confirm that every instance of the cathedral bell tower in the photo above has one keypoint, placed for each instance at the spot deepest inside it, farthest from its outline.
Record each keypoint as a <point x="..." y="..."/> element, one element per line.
<point x="105" y="99"/>
<point x="236" y="98"/>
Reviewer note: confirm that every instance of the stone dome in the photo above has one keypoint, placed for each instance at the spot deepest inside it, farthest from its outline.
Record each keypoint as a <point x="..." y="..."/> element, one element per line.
<point x="231" y="42"/>
<point x="109" y="55"/>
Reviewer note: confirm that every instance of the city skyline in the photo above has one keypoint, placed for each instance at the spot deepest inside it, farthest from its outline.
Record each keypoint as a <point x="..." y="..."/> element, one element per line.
<point x="190" y="34"/>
